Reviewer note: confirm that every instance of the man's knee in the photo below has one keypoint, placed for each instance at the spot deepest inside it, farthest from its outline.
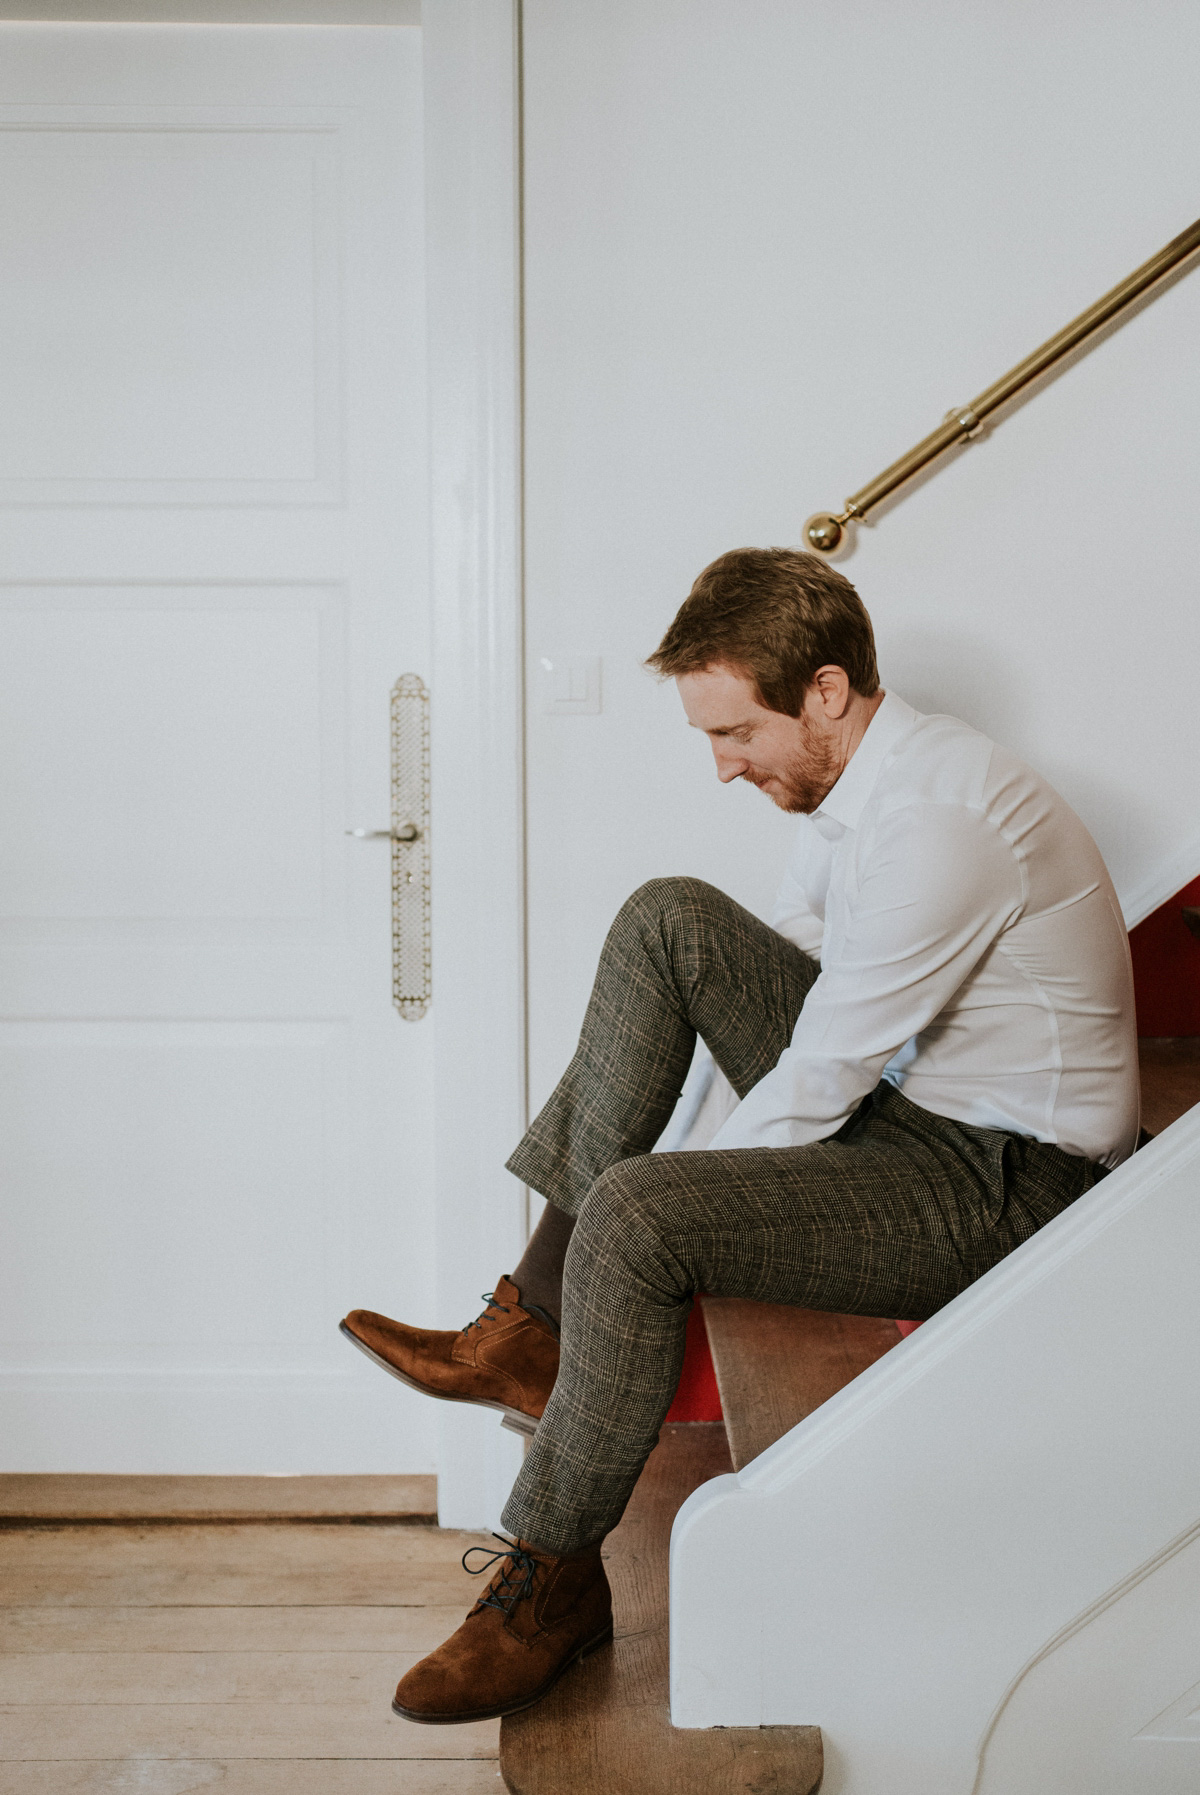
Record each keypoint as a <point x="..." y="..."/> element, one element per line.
<point x="678" y="903"/>
<point x="624" y="1224"/>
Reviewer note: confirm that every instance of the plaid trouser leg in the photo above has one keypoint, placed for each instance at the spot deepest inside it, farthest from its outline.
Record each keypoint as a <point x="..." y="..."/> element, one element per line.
<point x="681" y="959"/>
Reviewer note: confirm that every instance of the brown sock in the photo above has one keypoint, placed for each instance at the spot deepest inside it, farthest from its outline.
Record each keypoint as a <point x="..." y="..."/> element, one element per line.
<point x="540" y="1273"/>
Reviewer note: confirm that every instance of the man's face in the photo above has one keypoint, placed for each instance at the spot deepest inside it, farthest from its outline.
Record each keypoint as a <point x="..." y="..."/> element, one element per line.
<point x="794" y="760"/>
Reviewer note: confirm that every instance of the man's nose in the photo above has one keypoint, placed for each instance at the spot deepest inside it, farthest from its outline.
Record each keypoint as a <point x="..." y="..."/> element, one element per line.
<point x="729" y="765"/>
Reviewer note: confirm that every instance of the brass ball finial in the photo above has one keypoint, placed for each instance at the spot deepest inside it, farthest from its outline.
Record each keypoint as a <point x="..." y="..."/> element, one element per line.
<point x="823" y="534"/>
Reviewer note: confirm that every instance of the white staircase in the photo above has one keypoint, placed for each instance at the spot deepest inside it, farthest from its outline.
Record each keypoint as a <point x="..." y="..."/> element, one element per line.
<point x="977" y="1568"/>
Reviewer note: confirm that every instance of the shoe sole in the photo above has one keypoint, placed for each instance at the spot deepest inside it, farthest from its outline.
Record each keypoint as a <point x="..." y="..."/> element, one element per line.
<point x="514" y="1419"/>
<point x="529" y="1701"/>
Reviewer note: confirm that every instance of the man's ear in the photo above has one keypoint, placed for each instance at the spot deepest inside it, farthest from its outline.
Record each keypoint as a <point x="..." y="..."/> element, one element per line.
<point x="831" y="688"/>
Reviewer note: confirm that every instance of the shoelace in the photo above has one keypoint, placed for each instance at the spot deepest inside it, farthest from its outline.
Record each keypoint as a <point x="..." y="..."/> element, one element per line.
<point x="490" y="1299"/>
<point x="514" y="1584"/>
<point x="543" y="1315"/>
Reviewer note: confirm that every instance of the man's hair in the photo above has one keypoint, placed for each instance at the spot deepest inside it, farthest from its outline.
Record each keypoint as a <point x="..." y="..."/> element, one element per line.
<point x="775" y="615"/>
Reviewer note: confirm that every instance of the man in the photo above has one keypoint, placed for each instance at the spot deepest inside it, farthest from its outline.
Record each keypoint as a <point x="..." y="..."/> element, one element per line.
<point x="934" y="1051"/>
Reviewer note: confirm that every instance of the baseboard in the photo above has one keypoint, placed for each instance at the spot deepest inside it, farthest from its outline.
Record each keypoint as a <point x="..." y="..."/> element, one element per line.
<point x="36" y="1498"/>
<point x="218" y="1422"/>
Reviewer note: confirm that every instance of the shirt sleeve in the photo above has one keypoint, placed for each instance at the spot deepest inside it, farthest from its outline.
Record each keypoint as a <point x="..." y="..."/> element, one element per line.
<point x="936" y="885"/>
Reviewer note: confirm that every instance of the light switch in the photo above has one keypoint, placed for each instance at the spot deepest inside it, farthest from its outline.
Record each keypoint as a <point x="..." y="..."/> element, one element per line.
<point x="570" y="685"/>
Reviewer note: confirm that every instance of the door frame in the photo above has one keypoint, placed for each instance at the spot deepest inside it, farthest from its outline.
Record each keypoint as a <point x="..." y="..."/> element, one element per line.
<point x="471" y="51"/>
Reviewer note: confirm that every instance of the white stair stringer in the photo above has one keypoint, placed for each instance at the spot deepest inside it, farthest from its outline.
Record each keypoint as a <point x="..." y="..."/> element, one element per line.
<point x="900" y="1568"/>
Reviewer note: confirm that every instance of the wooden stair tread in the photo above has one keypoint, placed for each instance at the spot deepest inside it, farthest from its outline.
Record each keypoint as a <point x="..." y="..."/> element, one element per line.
<point x="1170" y="1069"/>
<point x="606" y="1728"/>
<point x="776" y="1364"/>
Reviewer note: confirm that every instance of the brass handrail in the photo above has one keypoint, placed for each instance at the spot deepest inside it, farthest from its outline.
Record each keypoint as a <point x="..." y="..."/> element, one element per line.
<point x="827" y="532"/>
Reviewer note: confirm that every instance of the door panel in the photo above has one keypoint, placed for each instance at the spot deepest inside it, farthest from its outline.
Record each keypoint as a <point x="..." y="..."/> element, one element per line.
<point x="173" y="701"/>
<point x="114" y="1127"/>
<point x="212" y="460"/>
<point x="172" y="285"/>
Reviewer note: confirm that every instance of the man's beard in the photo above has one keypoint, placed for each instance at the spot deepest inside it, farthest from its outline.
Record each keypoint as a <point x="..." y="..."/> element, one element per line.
<point x="808" y="778"/>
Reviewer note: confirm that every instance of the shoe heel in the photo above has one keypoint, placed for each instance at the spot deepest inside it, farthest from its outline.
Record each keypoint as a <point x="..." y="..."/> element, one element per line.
<point x="523" y="1425"/>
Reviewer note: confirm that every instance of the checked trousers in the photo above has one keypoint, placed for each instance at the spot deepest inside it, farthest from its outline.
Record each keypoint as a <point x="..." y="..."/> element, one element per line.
<point x="893" y="1215"/>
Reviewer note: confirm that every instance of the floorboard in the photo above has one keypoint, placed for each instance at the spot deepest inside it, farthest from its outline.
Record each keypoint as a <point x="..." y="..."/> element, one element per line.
<point x="46" y="1631"/>
<point x="402" y="1586"/>
<point x="234" y="1566"/>
<point x="295" y="1546"/>
<point x="348" y="1776"/>
<point x="129" y="1678"/>
<point x="329" y="1729"/>
<point x="606" y="1730"/>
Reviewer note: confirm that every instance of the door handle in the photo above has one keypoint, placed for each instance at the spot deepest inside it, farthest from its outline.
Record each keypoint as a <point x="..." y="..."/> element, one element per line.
<point x="405" y="832"/>
<point x="412" y="983"/>
<point x="409" y="836"/>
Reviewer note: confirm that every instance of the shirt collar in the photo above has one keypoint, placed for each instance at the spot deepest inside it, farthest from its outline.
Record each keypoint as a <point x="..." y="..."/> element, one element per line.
<point x="845" y="802"/>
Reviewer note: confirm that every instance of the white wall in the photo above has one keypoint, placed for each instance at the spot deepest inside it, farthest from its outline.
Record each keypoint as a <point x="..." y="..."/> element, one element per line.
<point x="767" y="246"/>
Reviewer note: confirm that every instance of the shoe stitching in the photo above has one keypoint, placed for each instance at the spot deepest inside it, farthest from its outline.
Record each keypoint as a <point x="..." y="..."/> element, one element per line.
<point x="483" y="1359"/>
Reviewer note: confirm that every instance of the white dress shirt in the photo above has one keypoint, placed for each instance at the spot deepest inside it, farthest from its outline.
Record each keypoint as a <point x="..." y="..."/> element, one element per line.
<point x="972" y="951"/>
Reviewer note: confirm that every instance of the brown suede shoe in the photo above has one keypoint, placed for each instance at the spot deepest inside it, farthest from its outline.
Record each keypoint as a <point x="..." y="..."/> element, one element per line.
<point x="538" y="1615"/>
<point x="506" y="1360"/>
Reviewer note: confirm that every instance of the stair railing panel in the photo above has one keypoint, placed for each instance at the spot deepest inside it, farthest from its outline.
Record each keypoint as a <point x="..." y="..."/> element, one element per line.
<point x="888" y="1569"/>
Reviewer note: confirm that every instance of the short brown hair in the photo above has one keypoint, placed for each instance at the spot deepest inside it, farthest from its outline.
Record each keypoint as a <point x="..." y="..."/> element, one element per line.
<point x="776" y="615"/>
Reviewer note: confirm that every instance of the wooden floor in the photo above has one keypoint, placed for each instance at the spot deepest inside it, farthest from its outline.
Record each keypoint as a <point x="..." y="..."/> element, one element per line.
<point x="246" y="1658"/>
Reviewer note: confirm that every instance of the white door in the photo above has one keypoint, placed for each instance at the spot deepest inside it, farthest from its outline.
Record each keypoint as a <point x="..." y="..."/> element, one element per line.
<point x="212" y="555"/>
